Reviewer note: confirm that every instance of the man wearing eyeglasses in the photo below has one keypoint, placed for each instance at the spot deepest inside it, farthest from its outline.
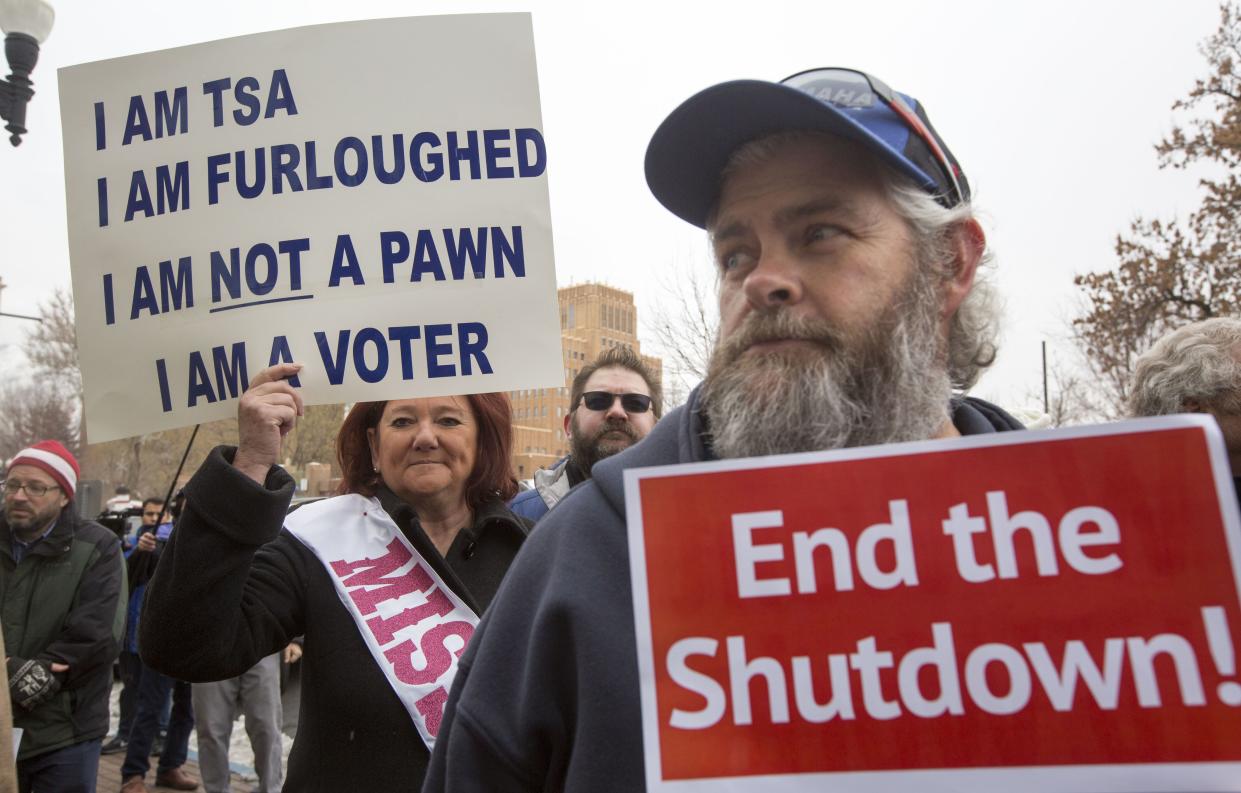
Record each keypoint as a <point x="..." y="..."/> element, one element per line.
<point x="852" y="313"/>
<point x="615" y="402"/>
<point x="61" y="580"/>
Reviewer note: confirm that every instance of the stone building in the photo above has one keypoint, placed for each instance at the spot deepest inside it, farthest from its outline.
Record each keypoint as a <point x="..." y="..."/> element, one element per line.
<point x="593" y="318"/>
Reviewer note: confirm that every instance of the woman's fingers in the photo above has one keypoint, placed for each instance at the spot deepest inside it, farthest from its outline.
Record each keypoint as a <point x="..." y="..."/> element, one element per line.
<point x="274" y="380"/>
<point x="276" y="373"/>
<point x="265" y="413"/>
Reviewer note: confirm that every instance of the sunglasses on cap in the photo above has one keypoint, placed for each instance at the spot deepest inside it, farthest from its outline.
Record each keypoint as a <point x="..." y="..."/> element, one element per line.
<point x="603" y="400"/>
<point x="850" y="89"/>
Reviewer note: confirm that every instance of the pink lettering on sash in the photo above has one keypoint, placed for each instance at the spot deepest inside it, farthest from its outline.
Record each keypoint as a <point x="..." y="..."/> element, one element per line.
<point x="438" y="657"/>
<point x="431" y="707"/>
<point x="375" y="572"/>
<point x="396" y="599"/>
<point x="384" y="630"/>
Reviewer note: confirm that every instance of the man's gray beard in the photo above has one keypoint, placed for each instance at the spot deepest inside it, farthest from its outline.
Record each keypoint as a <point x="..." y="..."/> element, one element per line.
<point x="890" y="385"/>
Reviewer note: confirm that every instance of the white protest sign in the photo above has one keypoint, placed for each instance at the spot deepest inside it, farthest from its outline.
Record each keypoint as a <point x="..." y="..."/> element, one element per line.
<point x="366" y="198"/>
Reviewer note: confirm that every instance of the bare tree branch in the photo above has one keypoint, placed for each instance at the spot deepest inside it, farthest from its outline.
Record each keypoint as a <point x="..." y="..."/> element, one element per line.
<point x="1173" y="272"/>
<point x="684" y="325"/>
<point x="30" y="413"/>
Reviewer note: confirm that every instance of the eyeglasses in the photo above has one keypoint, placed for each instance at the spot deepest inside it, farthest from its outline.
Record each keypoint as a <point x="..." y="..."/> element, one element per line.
<point x="34" y="489"/>
<point x="603" y="400"/>
<point x="853" y="90"/>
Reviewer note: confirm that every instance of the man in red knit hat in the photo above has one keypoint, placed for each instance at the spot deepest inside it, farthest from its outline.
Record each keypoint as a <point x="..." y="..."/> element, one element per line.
<point x="61" y="580"/>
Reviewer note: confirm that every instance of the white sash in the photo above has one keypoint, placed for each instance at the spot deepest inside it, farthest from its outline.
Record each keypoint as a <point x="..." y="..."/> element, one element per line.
<point x="413" y="624"/>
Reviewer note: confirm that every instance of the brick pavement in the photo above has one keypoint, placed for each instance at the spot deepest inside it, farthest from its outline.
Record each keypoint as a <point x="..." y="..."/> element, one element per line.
<point x="109" y="780"/>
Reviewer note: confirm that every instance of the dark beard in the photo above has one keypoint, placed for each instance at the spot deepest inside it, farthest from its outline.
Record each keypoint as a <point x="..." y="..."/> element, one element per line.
<point x="588" y="451"/>
<point x="30" y="526"/>
<point x="889" y="384"/>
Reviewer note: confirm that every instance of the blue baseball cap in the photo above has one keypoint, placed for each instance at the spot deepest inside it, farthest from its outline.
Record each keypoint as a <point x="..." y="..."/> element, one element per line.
<point x="690" y="148"/>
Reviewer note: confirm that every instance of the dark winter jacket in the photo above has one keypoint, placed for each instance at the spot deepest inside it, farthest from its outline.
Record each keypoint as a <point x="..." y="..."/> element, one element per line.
<point x="546" y="696"/>
<point x="65" y="603"/>
<point x="233" y="586"/>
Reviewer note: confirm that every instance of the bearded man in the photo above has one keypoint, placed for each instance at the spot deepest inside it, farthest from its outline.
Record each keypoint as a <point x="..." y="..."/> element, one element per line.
<point x="847" y="253"/>
<point x="615" y="402"/>
<point x="61" y="580"/>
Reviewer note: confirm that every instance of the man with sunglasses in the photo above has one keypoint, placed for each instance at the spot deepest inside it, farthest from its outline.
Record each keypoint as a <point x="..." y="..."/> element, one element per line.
<point x="61" y="580"/>
<point x="615" y="402"/>
<point x="847" y="254"/>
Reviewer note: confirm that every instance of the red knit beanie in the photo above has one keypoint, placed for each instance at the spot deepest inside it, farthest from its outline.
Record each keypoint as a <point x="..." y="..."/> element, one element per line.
<point x="55" y="460"/>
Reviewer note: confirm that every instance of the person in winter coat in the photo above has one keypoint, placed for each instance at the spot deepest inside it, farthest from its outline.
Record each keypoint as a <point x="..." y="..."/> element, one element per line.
<point x="386" y="581"/>
<point x="61" y="604"/>
<point x="846" y="250"/>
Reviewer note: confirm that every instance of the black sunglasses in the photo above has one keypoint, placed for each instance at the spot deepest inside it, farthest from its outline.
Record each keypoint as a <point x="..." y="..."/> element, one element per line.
<point x="852" y="89"/>
<point x="603" y="400"/>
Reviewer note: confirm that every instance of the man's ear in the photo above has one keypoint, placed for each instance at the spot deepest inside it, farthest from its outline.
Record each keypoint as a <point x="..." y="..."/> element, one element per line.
<point x="568" y="422"/>
<point x="968" y="244"/>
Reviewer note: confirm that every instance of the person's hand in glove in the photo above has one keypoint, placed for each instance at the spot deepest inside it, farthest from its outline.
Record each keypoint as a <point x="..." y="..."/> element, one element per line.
<point x="33" y="682"/>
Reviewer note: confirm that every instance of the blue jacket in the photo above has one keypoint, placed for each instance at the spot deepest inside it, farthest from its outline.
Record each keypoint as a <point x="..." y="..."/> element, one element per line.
<point x="550" y="486"/>
<point x="546" y="697"/>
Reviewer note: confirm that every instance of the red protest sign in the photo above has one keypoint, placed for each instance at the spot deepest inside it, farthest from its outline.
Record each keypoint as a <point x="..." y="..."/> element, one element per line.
<point x="1026" y="609"/>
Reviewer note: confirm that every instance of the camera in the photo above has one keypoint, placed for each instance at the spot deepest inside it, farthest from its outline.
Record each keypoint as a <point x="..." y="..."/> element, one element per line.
<point x="124" y="523"/>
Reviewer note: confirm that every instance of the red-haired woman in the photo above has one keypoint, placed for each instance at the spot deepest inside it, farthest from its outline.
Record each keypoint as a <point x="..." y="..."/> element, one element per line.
<point x="386" y="580"/>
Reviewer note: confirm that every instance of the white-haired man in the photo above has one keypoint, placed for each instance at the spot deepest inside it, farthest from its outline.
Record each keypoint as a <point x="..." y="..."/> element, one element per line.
<point x="847" y="251"/>
<point x="1195" y="369"/>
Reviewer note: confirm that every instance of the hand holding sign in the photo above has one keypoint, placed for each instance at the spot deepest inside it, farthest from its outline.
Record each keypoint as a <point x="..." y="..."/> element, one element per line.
<point x="266" y="412"/>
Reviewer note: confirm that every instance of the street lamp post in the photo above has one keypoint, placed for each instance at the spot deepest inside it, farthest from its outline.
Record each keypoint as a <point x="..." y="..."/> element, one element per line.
<point x="26" y="24"/>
